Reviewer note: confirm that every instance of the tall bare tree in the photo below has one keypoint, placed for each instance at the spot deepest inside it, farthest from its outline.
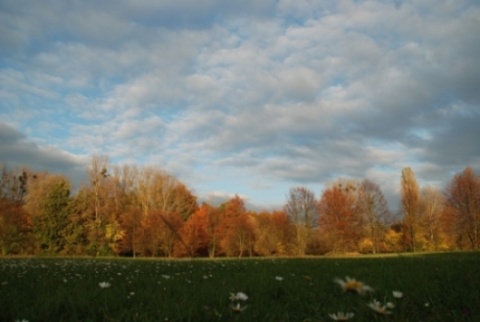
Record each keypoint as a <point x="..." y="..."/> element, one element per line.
<point x="301" y="207"/>
<point x="97" y="173"/>
<point x="373" y="207"/>
<point x="411" y="207"/>
<point x="432" y="204"/>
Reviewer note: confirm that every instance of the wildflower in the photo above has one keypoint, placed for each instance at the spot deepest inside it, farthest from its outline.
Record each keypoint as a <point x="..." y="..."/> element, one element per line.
<point x="381" y="309"/>
<point x="352" y="285"/>
<point x="397" y="294"/>
<point x="240" y="296"/>
<point x="104" y="284"/>
<point x="238" y="308"/>
<point x="340" y="316"/>
<point x="165" y="276"/>
<point x="279" y="278"/>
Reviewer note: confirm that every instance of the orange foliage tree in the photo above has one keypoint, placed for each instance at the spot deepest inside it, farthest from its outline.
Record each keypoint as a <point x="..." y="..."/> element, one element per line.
<point x="339" y="224"/>
<point x="275" y="233"/>
<point x="195" y="233"/>
<point x="463" y="209"/>
<point x="236" y="229"/>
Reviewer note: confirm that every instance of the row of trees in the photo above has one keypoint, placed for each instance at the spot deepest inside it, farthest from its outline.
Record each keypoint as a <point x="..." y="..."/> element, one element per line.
<point x="144" y="211"/>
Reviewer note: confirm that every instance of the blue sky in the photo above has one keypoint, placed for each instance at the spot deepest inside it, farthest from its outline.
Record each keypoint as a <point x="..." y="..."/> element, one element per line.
<point x="244" y="97"/>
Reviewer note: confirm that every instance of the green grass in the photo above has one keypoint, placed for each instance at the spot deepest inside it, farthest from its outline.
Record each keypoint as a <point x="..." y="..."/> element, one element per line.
<point x="436" y="287"/>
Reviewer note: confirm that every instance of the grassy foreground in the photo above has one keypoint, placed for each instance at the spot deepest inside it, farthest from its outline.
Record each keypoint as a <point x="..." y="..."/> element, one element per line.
<point x="435" y="287"/>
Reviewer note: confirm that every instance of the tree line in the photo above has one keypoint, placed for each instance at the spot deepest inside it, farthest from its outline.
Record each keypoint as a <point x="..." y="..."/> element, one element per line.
<point x="126" y="210"/>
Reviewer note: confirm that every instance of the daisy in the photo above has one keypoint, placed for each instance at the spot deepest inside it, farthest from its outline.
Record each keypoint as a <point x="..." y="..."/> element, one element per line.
<point x="397" y="294"/>
<point x="240" y="296"/>
<point x="279" y="278"/>
<point x="381" y="309"/>
<point x="340" y="316"/>
<point x="104" y="284"/>
<point x="352" y="285"/>
<point x="237" y="308"/>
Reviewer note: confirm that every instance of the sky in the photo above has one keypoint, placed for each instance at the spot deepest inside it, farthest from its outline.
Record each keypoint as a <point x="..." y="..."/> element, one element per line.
<point x="250" y="97"/>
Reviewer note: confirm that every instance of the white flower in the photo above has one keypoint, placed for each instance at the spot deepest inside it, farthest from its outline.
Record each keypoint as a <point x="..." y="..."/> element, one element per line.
<point x="240" y="296"/>
<point x="104" y="284"/>
<point x="238" y="308"/>
<point x="279" y="278"/>
<point x="166" y="276"/>
<point x="340" y="316"/>
<point x="381" y="309"/>
<point x="352" y="285"/>
<point x="397" y="294"/>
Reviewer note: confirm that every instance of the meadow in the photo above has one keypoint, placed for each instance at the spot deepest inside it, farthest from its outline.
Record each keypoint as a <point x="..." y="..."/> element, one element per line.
<point x="434" y="287"/>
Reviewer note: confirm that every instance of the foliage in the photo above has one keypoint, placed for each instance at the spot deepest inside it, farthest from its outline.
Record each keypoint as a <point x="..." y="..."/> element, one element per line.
<point x="144" y="211"/>
<point x="339" y="222"/>
<point x="463" y="212"/>
<point x="15" y="228"/>
<point x="47" y="200"/>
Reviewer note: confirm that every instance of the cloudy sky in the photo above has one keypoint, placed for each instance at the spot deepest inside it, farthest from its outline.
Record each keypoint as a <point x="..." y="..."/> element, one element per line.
<point x="244" y="97"/>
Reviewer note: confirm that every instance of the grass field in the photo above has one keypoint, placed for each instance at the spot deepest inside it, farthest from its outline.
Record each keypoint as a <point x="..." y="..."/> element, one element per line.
<point x="435" y="287"/>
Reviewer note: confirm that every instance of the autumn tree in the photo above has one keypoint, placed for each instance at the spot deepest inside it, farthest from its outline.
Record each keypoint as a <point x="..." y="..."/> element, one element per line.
<point x="194" y="234"/>
<point x="121" y="200"/>
<point x="301" y="208"/>
<point x="170" y="195"/>
<point x="160" y="233"/>
<point x="463" y="203"/>
<point x="372" y="206"/>
<point x="213" y="228"/>
<point x="411" y="207"/>
<point x="339" y="222"/>
<point x="274" y="233"/>
<point x="15" y="228"/>
<point x="236" y="228"/>
<point x="15" y="223"/>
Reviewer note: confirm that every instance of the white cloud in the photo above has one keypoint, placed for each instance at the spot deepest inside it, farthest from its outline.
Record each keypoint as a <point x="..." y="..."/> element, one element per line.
<point x="290" y="92"/>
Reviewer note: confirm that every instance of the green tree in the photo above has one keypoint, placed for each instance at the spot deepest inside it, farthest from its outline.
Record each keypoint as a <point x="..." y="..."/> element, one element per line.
<point x="48" y="198"/>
